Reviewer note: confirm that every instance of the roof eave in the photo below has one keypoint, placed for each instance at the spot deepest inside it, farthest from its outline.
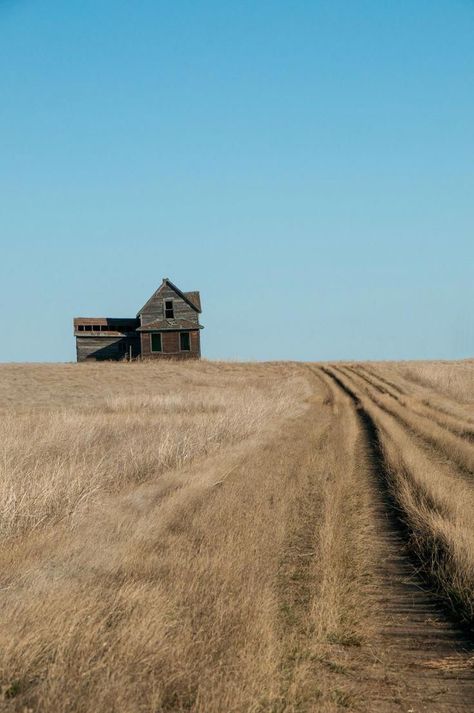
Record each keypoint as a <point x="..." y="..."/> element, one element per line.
<point x="147" y="328"/>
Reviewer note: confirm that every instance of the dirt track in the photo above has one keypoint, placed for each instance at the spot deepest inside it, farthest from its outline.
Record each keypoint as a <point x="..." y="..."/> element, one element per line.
<point x="423" y="660"/>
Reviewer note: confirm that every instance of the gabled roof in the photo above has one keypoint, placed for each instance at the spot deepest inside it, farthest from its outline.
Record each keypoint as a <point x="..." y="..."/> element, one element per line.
<point x="160" y="325"/>
<point x="195" y="298"/>
<point x="192" y="298"/>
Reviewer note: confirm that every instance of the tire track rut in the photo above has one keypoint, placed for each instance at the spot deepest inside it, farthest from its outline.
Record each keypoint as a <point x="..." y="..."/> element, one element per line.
<point x="460" y="454"/>
<point x="425" y="658"/>
<point x="451" y="423"/>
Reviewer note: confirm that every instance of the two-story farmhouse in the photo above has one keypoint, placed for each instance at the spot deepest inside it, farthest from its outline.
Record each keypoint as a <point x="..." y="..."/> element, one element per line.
<point x="167" y="326"/>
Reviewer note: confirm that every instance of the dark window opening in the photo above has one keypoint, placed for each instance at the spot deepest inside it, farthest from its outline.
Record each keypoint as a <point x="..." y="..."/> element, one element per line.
<point x="156" y="345"/>
<point x="184" y="342"/>
<point x="169" y="309"/>
<point x="88" y="327"/>
<point x="80" y="328"/>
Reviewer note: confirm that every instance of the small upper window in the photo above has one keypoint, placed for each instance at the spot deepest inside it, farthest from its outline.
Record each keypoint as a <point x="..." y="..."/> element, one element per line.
<point x="169" y="309"/>
<point x="184" y="342"/>
<point x="88" y="327"/>
<point x="80" y="327"/>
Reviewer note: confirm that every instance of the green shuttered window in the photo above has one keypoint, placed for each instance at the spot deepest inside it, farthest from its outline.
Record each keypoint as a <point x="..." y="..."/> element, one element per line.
<point x="156" y="345"/>
<point x="184" y="342"/>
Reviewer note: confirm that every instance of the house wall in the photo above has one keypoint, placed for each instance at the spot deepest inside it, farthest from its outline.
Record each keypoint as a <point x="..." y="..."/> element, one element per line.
<point x="170" y="343"/>
<point x="106" y="348"/>
<point x="155" y="308"/>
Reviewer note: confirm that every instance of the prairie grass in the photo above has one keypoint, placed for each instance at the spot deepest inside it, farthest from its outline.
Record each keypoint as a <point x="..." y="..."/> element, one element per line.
<point x="431" y="476"/>
<point x="455" y="379"/>
<point x="179" y="538"/>
<point x="54" y="461"/>
<point x="198" y="538"/>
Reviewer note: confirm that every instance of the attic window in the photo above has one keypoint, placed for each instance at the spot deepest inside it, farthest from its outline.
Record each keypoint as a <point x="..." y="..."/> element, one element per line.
<point x="169" y="309"/>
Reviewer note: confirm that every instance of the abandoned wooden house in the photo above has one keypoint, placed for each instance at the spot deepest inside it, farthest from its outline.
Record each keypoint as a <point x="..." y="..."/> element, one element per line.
<point x="167" y="326"/>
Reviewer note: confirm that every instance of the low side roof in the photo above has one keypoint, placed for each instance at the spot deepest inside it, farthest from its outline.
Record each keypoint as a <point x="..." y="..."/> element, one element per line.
<point x="192" y="298"/>
<point x="105" y="320"/>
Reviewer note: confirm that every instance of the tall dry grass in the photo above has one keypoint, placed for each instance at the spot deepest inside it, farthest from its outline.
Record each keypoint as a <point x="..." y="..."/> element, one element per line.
<point x="431" y="479"/>
<point x="455" y="379"/>
<point x="180" y="538"/>
<point x="196" y="538"/>
<point x="55" y="461"/>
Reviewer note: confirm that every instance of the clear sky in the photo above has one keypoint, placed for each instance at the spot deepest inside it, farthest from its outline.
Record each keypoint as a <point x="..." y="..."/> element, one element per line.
<point x="309" y="166"/>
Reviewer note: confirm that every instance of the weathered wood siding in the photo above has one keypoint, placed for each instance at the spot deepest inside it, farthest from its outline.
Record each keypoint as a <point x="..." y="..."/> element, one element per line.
<point x="106" y="348"/>
<point x="170" y="343"/>
<point x="155" y="309"/>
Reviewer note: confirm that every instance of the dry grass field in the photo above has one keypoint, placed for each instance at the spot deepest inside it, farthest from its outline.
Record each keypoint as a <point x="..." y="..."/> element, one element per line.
<point x="237" y="538"/>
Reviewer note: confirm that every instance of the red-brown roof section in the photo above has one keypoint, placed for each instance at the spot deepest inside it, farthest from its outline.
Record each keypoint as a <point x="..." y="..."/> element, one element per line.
<point x="195" y="298"/>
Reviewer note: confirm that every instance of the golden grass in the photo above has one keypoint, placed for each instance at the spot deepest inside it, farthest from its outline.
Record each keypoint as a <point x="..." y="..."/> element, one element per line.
<point x="147" y="521"/>
<point x="456" y="379"/>
<point x="430" y="471"/>
<point x="115" y="426"/>
<point x="198" y="537"/>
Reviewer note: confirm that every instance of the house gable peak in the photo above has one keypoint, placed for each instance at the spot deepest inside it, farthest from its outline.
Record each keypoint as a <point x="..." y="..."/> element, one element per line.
<point x="191" y="298"/>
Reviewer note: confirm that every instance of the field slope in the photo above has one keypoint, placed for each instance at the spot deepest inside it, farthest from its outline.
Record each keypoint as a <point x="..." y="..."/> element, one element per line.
<point x="219" y="538"/>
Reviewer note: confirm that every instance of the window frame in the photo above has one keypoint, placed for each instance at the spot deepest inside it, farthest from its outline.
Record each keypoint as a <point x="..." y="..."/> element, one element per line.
<point x="165" y="309"/>
<point x="181" y="335"/>
<point x="160" y="350"/>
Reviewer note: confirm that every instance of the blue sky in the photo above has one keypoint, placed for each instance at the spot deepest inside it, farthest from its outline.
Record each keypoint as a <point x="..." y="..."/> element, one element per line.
<point x="309" y="166"/>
